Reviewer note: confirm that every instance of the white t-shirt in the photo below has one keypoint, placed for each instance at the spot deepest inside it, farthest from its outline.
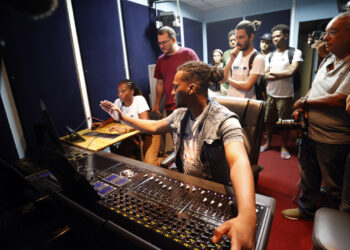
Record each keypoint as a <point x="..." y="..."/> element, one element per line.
<point x="138" y="106"/>
<point x="240" y="68"/>
<point x="279" y="62"/>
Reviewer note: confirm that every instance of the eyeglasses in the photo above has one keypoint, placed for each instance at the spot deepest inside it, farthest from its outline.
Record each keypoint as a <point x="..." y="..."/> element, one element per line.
<point x="164" y="42"/>
<point x="332" y="32"/>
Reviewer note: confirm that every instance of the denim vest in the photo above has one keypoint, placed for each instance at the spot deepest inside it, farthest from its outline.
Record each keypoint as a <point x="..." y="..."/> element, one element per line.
<point x="210" y="144"/>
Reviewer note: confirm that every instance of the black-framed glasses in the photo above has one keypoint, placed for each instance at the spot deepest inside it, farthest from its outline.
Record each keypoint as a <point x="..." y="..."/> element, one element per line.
<point x="164" y="42"/>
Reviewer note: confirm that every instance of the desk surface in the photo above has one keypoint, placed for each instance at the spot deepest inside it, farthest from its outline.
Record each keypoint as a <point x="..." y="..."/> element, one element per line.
<point x="94" y="143"/>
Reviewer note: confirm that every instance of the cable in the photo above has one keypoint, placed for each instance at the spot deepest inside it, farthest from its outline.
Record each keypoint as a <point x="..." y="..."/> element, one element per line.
<point x="84" y="121"/>
<point x="81" y="124"/>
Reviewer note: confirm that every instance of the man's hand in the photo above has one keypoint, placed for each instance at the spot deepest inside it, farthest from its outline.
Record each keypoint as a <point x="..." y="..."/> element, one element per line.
<point x="234" y="52"/>
<point x="321" y="48"/>
<point x="299" y="110"/>
<point x="297" y="104"/>
<point x="241" y="231"/>
<point x="107" y="106"/>
<point x="155" y="109"/>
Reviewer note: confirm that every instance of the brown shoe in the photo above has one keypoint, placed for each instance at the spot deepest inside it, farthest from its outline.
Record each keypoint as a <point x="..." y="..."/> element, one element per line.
<point x="295" y="214"/>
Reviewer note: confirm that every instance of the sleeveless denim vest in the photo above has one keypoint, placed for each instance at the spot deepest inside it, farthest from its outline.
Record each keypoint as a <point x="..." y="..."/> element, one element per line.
<point x="210" y="144"/>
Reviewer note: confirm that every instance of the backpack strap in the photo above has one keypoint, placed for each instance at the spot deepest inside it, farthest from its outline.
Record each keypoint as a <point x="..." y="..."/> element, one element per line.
<point x="291" y="52"/>
<point x="251" y="60"/>
<point x="270" y="56"/>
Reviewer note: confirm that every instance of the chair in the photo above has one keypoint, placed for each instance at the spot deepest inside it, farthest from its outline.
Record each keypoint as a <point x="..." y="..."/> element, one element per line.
<point x="331" y="229"/>
<point x="251" y="116"/>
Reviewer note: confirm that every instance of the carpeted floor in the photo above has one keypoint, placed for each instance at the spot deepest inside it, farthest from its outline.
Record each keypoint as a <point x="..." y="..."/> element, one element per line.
<point x="278" y="180"/>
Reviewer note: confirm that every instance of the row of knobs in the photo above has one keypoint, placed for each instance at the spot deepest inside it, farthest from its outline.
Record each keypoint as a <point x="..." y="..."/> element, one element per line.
<point x="187" y="187"/>
<point x="191" y="232"/>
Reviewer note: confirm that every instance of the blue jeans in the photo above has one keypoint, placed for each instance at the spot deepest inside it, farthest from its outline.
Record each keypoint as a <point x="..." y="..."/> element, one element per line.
<point x="319" y="161"/>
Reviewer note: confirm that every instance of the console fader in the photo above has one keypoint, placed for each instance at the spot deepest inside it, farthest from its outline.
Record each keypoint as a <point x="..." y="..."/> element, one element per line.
<point x="170" y="212"/>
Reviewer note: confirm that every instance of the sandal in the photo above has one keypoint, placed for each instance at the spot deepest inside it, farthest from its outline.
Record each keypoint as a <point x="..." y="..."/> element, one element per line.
<point x="263" y="149"/>
<point x="285" y="156"/>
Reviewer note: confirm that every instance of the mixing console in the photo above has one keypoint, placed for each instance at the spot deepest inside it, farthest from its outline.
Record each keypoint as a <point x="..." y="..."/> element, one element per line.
<point x="168" y="211"/>
<point x="165" y="208"/>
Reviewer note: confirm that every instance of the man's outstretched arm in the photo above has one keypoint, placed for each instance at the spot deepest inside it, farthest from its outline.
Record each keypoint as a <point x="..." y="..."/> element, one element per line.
<point x="240" y="229"/>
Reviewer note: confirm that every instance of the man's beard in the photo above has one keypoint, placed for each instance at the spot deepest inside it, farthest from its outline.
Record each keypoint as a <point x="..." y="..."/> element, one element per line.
<point x="245" y="46"/>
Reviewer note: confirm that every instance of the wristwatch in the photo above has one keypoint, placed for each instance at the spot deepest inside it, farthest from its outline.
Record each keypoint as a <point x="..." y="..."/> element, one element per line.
<point x="303" y="102"/>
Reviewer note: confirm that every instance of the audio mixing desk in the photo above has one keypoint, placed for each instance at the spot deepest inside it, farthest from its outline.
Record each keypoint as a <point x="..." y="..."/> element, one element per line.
<point x="169" y="209"/>
<point x="163" y="208"/>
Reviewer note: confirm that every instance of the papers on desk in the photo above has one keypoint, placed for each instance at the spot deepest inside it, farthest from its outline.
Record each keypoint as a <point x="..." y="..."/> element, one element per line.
<point x="103" y="135"/>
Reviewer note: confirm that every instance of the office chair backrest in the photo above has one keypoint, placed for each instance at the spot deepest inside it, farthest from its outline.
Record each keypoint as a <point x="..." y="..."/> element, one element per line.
<point x="251" y="117"/>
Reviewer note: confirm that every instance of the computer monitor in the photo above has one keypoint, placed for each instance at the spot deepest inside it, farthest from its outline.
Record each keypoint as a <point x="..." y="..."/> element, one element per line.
<point x="47" y="127"/>
<point x="73" y="183"/>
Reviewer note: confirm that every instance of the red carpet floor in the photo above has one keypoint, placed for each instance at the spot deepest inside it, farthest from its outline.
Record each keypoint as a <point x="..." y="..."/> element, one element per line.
<point x="278" y="180"/>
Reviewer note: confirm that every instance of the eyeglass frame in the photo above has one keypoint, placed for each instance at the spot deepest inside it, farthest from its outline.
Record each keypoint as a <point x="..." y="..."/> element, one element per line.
<point x="331" y="33"/>
<point x="164" y="42"/>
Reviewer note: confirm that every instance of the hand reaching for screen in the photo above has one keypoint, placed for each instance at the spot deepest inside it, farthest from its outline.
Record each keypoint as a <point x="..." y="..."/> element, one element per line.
<point x="107" y="106"/>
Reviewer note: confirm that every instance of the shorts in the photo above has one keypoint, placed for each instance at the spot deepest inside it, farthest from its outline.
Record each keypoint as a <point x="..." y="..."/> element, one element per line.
<point x="278" y="108"/>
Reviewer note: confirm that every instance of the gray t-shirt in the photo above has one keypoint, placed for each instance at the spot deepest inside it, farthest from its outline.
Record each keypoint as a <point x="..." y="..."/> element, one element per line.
<point x="330" y="124"/>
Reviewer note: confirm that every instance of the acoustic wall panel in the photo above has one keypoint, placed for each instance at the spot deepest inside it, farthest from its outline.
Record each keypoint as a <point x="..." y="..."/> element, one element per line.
<point x="40" y="65"/>
<point x="141" y="42"/>
<point x="268" y="20"/>
<point x="99" y="36"/>
<point x="193" y="36"/>
<point x="217" y="34"/>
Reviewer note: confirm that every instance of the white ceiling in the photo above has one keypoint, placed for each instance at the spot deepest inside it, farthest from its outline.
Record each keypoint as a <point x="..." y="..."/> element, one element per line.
<point x="204" y="5"/>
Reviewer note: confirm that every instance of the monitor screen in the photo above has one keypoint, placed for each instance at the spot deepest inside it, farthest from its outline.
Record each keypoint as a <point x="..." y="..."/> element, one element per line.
<point x="50" y="129"/>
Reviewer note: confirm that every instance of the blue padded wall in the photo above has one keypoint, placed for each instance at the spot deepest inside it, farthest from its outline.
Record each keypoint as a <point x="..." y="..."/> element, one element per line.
<point x="40" y="65"/>
<point x="193" y="36"/>
<point x="141" y="40"/>
<point x="217" y="34"/>
<point x="98" y="29"/>
<point x="269" y="20"/>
